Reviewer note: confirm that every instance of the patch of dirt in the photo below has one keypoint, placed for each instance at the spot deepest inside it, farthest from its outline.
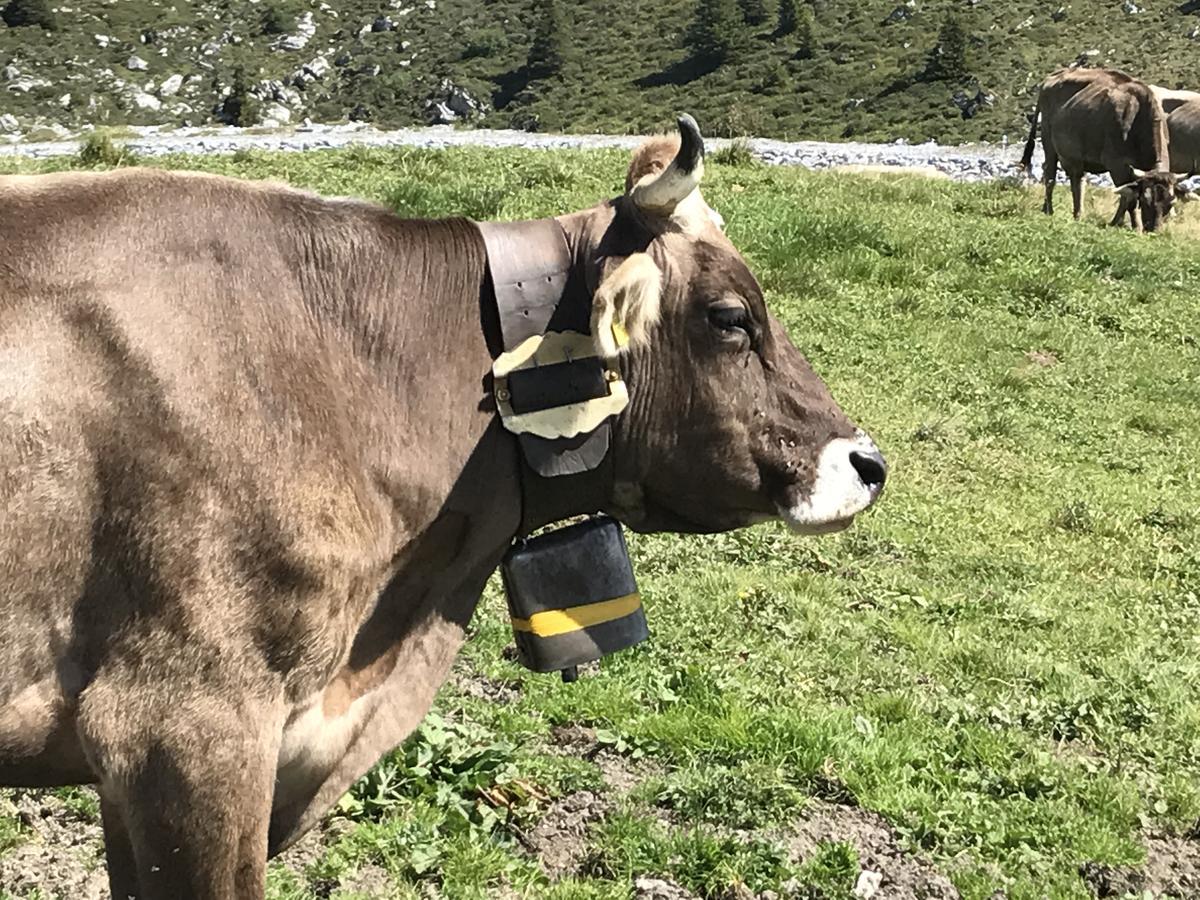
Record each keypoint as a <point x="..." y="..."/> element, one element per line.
<point x="559" y="839"/>
<point x="63" y="856"/>
<point x="369" y="881"/>
<point x="575" y="740"/>
<point x="482" y="687"/>
<point x="905" y="876"/>
<point x="660" y="889"/>
<point x="1172" y="869"/>
<point x="1043" y="358"/>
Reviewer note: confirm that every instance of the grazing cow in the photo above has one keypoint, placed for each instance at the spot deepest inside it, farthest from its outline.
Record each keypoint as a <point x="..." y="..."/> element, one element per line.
<point x="1102" y="120"/>
<point x="1184" y="126"/>
<point x="254" y="471"/>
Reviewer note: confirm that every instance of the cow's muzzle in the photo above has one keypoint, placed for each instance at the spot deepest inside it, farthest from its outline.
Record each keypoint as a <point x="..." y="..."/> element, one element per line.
<point x="849" y="478"/>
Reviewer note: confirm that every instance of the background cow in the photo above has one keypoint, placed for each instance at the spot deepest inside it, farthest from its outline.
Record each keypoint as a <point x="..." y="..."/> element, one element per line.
<point x="1172" y="98"/>
<point x="1103" y="120"/>
<point x="254" y="481"/>
<point x="1184" y="125"/>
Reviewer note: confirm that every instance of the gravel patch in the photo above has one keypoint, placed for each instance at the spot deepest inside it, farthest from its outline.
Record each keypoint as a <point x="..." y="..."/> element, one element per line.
<point x="968" y="162"/>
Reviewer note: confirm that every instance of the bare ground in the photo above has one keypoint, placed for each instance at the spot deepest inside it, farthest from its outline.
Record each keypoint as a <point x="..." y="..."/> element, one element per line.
<point x="61" y="855"/>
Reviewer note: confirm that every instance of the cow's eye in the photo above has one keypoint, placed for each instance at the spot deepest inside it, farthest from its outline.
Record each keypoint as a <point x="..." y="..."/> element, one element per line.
<point x="730" y="317"/>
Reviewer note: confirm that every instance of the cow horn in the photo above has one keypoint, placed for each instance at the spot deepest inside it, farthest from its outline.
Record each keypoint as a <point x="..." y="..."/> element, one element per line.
<point x="663" y="192"/>
<point x="1139" y="173"/>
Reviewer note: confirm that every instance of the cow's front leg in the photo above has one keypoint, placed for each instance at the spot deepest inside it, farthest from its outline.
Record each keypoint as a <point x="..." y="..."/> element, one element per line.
<point x="118" y="853"/>
<point x="188" y="801"/>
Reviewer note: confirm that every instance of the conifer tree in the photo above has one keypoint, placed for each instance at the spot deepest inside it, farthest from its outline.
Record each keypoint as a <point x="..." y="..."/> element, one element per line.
<point x="948" y="60"/>
<point x="716" y="32"/>
<point x="754" y="12"/>
<point x="19" y="13"/>
<point x="806" y="39"/>
<point x="787" y="18"/>
<point x="550" y="50"/>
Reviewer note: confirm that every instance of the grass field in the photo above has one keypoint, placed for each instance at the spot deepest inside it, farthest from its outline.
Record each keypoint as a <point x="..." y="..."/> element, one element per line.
<point x="1001" y="660"/>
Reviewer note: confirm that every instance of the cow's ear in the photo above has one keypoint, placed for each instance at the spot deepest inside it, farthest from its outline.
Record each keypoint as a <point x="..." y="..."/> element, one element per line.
<point x="1127" y="192"/>
<point x="626" y="305"/>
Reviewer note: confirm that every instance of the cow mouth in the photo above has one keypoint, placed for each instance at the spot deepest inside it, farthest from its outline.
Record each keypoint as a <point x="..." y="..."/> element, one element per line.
<point x="850" y="475"/>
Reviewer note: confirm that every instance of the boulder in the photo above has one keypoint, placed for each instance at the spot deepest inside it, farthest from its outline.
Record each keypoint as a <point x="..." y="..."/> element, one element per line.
<point x="170" y="86"/>
<point x="142" y="100"/>
<point x="136" y="64"/>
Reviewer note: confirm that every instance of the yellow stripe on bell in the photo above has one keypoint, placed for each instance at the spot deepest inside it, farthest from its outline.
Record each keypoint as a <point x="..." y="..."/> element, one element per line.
<point x="552" y="622"/>
<point x="620" y="335"/>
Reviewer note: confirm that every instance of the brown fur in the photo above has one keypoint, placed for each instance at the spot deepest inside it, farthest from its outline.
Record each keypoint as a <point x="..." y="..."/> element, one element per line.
<point x="253" y="485"/>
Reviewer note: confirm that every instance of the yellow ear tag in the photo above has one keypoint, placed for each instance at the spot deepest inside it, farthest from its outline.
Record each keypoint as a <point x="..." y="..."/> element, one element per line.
<point x="620" y="335"/>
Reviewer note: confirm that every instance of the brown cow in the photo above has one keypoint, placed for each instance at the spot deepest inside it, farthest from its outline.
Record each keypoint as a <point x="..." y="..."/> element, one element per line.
<point x="1102" y="120"/>
<point x="1184" y="126"/>
<point x="254" y="480"/>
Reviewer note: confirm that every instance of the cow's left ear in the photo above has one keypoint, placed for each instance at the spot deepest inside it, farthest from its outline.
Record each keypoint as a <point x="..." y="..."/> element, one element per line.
<point x="626" y="305"/>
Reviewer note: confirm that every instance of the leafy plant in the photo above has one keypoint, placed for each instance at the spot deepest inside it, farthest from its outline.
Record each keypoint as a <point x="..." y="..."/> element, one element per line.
<point x="99" y="149"/>
<point x="454" y="768"/>
<point x="736" y="153"/>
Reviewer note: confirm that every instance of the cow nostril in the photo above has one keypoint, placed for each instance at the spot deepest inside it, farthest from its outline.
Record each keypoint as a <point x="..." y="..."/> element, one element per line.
<point x="870" y="468"/>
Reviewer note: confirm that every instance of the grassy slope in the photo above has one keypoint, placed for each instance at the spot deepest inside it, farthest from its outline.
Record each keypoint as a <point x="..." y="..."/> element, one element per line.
<point x="1001" y="659"/>
<point x="627" y="75"/>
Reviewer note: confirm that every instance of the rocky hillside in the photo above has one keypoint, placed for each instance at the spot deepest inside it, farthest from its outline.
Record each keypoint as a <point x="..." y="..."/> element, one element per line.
<point x="862" y="72"/>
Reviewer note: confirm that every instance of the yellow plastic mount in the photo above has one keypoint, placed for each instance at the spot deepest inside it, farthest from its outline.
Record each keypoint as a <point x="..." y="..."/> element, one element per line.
<point x="560" y="421"/>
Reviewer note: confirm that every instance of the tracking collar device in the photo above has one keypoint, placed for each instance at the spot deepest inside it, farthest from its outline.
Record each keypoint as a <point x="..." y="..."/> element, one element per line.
<point x="572" y="596"/>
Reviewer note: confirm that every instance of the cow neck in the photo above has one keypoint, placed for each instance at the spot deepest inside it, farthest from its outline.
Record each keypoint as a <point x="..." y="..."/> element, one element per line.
<point x="565" y="477"/>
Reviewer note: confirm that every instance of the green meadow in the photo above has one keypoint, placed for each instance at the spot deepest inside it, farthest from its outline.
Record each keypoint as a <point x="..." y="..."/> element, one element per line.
<point x="998" y="666"/>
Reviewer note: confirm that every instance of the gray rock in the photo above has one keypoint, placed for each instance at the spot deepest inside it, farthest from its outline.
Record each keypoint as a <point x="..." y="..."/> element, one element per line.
<point x="449" y="103"/>
<point x="276" y="114"/>
<point x="142" y="100"/>
<point x="170" y="86"/>
<point x="902" y="13"/>
<point x="867" y="885"/>
<point x="10" y="73"/>
<point x="9" y="123"/>
<point x="383" y="23"/>
<point x="136" y="64"/>
<point x="305" y="29"/>
<point x="317" y="68"/>
<point x="1130" y="8"/>
<point x="1059" y="14"/>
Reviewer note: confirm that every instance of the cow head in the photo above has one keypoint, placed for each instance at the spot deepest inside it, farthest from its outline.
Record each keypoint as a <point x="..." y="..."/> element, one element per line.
<point x="727" y="423"/>
<point x="1153" y="195"/>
